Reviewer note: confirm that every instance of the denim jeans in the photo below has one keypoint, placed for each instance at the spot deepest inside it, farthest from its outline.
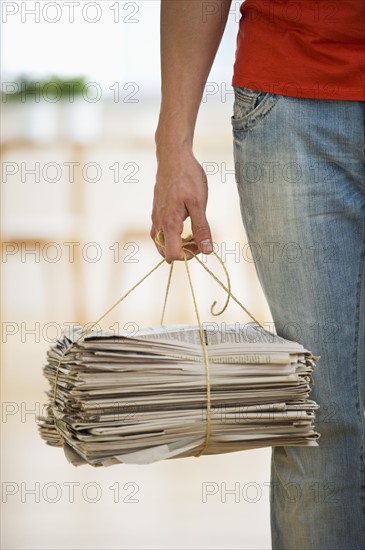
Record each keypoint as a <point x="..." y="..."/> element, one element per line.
<point x="300" y="174"/>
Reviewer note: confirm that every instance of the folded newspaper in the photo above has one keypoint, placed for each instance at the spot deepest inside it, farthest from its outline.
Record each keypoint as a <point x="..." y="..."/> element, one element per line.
<point x="143" y="398"/>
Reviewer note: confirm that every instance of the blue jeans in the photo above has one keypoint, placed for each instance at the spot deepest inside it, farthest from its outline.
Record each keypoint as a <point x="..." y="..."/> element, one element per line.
<point x="301" y="179"/>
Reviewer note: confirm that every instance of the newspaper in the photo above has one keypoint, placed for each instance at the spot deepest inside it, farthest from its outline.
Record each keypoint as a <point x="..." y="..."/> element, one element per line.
<point x="143" y="398"/>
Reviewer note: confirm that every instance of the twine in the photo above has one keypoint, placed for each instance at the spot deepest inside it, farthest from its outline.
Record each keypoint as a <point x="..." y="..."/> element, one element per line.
<point x="160" y="242"/>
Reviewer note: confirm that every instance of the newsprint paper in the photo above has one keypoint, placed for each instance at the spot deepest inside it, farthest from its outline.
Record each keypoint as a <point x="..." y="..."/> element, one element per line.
<point x="143" y="398"/>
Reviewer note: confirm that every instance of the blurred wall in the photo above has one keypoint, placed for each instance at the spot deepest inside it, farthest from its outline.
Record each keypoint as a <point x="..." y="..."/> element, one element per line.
<point x="77" y="184"/>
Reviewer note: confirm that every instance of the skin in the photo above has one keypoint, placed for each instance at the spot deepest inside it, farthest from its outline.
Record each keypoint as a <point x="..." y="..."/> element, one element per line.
<point x="191" y="31"/>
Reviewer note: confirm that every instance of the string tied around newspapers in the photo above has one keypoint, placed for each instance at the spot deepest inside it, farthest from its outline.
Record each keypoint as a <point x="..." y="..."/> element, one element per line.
<point x="187" y="242"/>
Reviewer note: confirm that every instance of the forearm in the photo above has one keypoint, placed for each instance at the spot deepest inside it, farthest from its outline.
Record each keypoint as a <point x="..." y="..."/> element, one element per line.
<point x="190" y="36"/>
<point x="191" y="31"/>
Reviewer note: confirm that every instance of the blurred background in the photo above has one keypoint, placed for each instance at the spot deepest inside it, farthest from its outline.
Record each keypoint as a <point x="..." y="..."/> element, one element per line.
<point x="79" y="107"/>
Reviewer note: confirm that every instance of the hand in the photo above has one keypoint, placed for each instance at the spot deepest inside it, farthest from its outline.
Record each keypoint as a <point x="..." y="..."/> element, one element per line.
<point x="181" y="191"/>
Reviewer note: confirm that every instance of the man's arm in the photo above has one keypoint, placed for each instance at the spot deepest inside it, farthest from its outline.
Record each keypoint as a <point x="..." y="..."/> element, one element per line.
<point x="191" y="31"/>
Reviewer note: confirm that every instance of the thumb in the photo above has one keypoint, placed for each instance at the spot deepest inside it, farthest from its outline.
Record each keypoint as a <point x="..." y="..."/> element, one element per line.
<point x="201" y="232"/>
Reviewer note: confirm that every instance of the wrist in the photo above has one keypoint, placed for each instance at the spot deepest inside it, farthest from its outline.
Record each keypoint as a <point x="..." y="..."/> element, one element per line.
<point x="173" y="140"/>
<point x="174" y="131"/>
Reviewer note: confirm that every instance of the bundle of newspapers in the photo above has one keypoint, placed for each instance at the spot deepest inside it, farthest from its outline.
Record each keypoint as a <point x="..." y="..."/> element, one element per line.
<point x="139" y="398"/>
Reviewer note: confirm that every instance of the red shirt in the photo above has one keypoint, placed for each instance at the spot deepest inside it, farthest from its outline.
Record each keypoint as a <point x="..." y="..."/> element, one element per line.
<point x="302" y="48"/>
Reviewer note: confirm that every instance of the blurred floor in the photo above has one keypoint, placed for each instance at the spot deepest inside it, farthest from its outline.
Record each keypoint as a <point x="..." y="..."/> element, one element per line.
<point x="213" y="502"/>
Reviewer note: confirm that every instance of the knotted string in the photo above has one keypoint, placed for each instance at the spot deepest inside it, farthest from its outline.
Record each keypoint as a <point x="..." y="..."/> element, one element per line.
<point x="206" y="362"/>
<point x="159" y="241"/>
<point x="188" y="241"/>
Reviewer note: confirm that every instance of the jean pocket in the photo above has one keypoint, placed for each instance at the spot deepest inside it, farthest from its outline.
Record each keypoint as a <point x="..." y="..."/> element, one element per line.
<point x="250" y="107"/>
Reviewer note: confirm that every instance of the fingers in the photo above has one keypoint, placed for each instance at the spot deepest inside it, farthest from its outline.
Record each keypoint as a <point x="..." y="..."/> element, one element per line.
<point x="168" y="242"/>
<point x="201" y="231"/>
<point x="157" y="237"/>
<point x="173" y="245"/>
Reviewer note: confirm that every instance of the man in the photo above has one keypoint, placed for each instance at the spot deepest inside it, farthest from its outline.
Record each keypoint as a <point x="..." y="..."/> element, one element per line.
<point x="298" y="128"/>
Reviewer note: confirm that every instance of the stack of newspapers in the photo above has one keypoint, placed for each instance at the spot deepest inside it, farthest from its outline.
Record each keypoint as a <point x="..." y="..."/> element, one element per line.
<point x="123" y="398"/>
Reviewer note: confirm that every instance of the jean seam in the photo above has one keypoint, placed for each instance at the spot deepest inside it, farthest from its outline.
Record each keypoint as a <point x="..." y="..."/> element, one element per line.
<point x="356" y="367"/>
